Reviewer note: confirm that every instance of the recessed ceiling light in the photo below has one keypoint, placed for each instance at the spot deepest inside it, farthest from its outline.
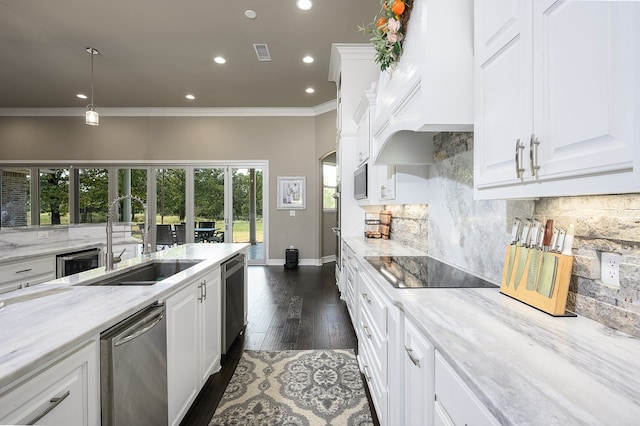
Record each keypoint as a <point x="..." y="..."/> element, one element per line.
<point x="310" y="90"/>
<point x="251" y="14"/>
<point x="304" y="4"/>
<point x="307" y="59"/>
<point x="190" y="97"/>
<point x="81" y="96"/>
<point x="219" y="60"/>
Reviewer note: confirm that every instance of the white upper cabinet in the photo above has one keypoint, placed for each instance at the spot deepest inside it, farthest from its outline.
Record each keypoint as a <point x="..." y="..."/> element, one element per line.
<point x="555" y="104"/>
<point x="503" y="102"/>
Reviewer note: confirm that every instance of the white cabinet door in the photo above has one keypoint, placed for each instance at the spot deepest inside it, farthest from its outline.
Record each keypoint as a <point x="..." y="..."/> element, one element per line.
<point x="455" y="401"/>
<point x="555" y="109"/>
<point x="418" y="377"/>
<point x="67" y="393"/>
<point x="503" y="101"/>
<point x="183" y="377"/>
<point x="210" y="324"/>
<point x="583" y="78"/>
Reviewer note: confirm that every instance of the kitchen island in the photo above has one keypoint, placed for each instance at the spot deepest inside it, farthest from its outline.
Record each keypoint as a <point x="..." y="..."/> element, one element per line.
<point x="44" y="323"/>
<point x="522" y="365"/>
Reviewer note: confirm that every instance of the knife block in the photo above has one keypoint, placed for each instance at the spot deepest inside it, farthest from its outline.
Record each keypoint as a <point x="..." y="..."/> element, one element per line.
<point x="557" y="302"/>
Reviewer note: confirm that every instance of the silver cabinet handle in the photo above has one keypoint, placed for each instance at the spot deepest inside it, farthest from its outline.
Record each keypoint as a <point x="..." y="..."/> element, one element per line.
<point x="533" y="155"/>
<point x="365" y="296"/>
<point x="366" y="373"/>
<point x="412" y="357"/>
<point x="201" y="297"/>
<point x="53" y="403"/>
<point x="366" y="331"/>
<point x="24" y="270"/>
<point x="519" y="168"/>
<point x="204" y="287"/>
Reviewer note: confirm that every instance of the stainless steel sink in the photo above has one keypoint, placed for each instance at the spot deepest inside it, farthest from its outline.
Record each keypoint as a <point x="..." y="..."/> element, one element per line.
<point x="149" y="273"/>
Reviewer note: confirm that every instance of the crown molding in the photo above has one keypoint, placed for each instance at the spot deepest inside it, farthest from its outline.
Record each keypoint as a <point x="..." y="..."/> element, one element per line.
<point x="173" y="112"/>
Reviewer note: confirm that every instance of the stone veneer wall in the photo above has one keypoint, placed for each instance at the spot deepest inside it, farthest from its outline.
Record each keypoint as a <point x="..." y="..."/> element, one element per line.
<point x="410" y="225"/>
<point x="13" y="198"/>
<point x="603" y="223"/>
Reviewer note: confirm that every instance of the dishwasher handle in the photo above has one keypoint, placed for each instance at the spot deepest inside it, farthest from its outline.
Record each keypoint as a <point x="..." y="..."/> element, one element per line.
<point x="141" y="327"/>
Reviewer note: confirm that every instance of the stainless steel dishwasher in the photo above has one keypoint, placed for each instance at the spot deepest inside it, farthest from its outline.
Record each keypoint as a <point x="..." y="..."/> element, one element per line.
<point x="133" y="370"/>
<point x="232" y="281"/>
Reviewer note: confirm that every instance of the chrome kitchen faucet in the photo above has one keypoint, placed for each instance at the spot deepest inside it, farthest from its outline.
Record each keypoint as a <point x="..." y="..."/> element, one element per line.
<point x="110" y="214"/>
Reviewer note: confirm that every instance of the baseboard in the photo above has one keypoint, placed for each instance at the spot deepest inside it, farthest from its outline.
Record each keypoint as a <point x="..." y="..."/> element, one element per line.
<point x="301" y="262"/>
<point x="327" y="259"/>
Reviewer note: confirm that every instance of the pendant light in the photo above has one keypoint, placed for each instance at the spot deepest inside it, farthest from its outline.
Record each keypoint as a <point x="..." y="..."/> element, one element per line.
<point x="92" y="117"/>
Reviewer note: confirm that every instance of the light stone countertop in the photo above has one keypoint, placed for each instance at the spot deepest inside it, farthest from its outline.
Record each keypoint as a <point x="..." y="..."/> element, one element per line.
<point x="526" y="367"/>
<point x="14" y="253"/>
<point x="40" y="323"/>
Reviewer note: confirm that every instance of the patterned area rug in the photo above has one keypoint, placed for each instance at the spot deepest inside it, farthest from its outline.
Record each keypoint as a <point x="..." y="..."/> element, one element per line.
<point x="295" y="388"/>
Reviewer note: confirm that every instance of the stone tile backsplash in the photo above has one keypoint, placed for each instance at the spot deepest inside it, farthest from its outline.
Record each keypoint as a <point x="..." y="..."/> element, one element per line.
<point x="603" y="223"/>
<point x="473" y="235"/>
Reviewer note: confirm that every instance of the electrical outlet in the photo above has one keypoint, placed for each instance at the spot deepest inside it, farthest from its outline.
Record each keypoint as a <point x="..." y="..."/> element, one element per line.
<point x="43" y="235"/>
<point x="610" y="268"/>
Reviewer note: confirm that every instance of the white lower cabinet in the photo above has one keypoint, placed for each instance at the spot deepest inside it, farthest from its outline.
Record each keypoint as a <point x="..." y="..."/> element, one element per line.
<point x="418" y="377"/>
<point x="193" y="341"/>
<point x="25" y="273"/>
<point x="455" y="403"/>
<point x="373" y="343"/>
<point x="66" y="393"/>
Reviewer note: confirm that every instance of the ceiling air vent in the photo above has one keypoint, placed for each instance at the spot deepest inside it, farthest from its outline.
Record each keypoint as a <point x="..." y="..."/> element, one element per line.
<point x="262" y="52"/>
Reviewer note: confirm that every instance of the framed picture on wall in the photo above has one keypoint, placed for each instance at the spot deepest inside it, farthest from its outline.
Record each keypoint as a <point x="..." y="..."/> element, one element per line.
<point x="292" y="193"/>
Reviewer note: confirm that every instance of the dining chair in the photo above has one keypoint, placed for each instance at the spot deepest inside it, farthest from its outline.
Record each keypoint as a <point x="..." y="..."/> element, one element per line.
<point x="164" y="236"/>
<point x="205" y="236"/>
<point x="181" y="233"/>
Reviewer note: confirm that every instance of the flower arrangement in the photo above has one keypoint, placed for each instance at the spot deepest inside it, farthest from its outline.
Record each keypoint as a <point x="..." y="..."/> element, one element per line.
<point x="388" y="31"/>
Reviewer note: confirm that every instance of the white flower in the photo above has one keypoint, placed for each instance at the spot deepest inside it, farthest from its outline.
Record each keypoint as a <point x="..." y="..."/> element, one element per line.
<point x="393" y="25"/>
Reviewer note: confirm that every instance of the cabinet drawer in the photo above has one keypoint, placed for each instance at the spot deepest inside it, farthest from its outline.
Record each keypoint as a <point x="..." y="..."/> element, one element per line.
<point x="456" y="400"/>
<point x="66" y="393"/>
<point x="375" y="345"/>
<point x="27" y="269"/>
<point x="377" y="389"/>
<point x="373" y="304"/>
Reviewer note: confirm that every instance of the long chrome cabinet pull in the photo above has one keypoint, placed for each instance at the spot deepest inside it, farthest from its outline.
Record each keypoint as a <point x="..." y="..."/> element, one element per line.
<point x="366" y="331"/>
<point x="533" y="155"/>
<point x="519" y="168"/>
<point x="204" y="288"/>
<point x="53" y="403"/>
<point x="412" y="357"/>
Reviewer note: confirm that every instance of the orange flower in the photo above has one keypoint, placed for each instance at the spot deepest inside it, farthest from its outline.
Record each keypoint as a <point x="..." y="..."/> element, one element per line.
<point x="398" y="7"/>
<point x="381" y="21"/>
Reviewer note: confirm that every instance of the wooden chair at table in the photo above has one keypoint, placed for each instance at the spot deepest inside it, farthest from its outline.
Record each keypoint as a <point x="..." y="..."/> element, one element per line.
<point x="164" y="236"/>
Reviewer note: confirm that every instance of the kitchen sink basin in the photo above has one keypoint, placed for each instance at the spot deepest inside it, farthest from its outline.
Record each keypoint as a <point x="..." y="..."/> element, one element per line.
<point x="149" y="273"/>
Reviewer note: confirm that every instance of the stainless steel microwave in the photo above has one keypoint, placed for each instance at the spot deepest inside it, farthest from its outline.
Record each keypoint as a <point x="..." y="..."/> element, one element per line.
<point x="360" y="180"/>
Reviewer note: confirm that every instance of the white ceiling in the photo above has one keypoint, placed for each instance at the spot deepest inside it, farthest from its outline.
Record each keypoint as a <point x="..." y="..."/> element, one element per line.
<point x="154" y="52"/>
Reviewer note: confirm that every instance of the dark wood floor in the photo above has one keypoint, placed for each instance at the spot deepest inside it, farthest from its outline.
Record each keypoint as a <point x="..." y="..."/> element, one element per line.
<point x="288" y="309"/>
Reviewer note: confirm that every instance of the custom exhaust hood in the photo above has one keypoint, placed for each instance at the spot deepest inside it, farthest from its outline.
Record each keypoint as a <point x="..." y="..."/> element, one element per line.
<point x="431" y="88"/>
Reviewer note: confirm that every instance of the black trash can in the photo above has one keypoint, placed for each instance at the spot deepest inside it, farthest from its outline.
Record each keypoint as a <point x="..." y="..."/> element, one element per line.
<point x="291" y="258"/>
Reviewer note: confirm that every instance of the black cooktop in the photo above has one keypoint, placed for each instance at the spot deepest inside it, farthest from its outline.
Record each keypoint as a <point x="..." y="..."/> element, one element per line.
<point x="423" y="272"/>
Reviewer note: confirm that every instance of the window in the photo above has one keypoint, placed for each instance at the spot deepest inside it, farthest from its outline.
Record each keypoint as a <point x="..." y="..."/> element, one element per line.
<point x="329" y="184"/>
<point x="54" y="196"/>
<point x="92" y="195"/>
<point x="15" y="204"/>
<point x="171" y="186"/>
